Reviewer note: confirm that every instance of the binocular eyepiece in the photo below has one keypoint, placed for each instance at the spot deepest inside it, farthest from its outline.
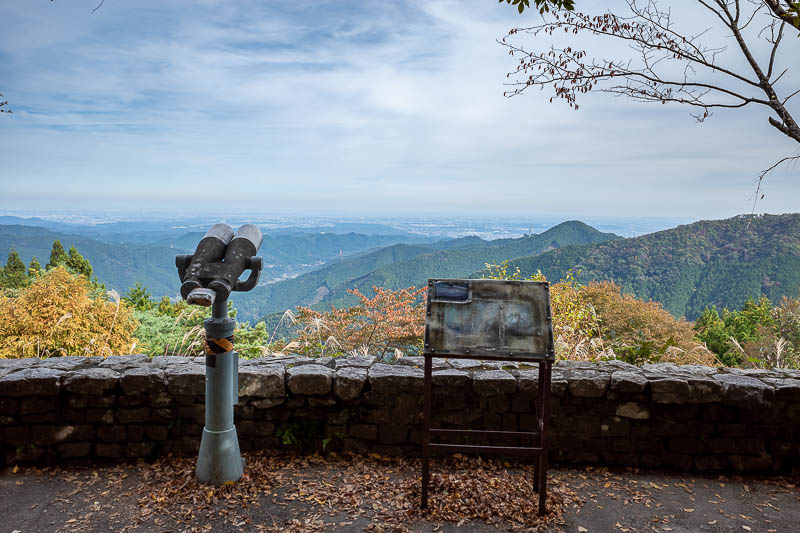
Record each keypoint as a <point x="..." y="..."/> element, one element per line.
<point x="213" y="271"/>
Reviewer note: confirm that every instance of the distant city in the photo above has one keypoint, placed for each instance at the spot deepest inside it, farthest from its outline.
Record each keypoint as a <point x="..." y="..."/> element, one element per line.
<point x="485" y="227"/>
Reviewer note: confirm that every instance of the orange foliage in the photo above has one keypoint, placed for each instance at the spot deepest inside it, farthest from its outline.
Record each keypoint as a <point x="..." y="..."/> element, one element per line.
<point x="390" y="319"/>
<point x="627" y="324"/>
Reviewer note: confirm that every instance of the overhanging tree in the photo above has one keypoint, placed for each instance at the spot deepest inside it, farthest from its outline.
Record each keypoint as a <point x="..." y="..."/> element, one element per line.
<point x="667" y="64"/>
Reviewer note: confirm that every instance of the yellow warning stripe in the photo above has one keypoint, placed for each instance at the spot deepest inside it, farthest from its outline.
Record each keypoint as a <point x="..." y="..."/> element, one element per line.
<point x="222" y="345"/>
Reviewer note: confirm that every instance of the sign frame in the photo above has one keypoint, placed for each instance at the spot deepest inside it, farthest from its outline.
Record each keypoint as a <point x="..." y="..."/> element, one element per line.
<point x="441" y="343"/>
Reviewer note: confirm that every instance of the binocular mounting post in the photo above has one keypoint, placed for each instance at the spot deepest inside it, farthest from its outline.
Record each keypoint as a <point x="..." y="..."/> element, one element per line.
<point x="208" y="277"/>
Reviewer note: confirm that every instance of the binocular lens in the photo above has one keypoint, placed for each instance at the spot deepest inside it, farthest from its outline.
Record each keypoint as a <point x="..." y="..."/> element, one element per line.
<point x="222" y="232"/>
<point x="251" y="233"/>
<point x="221" y="257"/>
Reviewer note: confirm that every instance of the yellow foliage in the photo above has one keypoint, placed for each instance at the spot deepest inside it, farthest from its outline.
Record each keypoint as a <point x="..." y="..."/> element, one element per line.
<point x="56" y="315"/>
<point x="626" y="322"/>
<point x="599" y="322"/>
<point x="575" y="327"/>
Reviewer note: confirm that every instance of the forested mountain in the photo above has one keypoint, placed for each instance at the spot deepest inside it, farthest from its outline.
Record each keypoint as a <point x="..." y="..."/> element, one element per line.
<point x="121" y="265"/>
<point x="401" y="266"/>
<point x="118" y="266"/>
<point x="310" y="288"/>
<point x="719" y="262"/>
<point x="289" y="248"/>
<point x="138" y="232"/>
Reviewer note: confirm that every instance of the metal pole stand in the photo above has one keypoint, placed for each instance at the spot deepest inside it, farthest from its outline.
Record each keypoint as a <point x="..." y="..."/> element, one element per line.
<point x="220" y="460"/>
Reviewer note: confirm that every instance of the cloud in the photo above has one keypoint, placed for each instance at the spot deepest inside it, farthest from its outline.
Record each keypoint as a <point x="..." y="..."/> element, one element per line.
<point x="366" y="107"/>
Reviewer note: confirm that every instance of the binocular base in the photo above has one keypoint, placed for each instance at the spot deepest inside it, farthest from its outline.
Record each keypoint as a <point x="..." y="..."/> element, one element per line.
<point x="219" y="460"/>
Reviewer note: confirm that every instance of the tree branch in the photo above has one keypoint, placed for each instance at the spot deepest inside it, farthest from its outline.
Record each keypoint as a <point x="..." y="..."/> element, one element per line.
<point x="765" y="172"/>
<point x="651" y="34"/>
<point x="775" y="50"/>
<point x="4" y="104"/>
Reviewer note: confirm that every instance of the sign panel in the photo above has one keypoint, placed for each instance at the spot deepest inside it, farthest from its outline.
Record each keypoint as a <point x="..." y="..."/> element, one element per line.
<point x="489" y="318"/>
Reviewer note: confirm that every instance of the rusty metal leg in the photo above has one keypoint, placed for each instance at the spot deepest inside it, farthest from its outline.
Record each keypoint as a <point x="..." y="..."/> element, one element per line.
<point x="426" y="430"/>
<point x="544" y="389"/>
<point x="539" y="400"/>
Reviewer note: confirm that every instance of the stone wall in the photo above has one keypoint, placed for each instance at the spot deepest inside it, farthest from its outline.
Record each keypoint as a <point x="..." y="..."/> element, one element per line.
<point x="661" y="415"/>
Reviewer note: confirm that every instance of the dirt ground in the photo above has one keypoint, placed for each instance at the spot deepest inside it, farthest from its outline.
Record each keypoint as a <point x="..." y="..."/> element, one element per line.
<point x="310" y="493"/>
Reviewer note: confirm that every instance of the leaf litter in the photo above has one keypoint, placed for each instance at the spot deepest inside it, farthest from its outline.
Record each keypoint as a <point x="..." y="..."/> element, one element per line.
<point x="311" y="493"/>
<point x="296" y="493"/>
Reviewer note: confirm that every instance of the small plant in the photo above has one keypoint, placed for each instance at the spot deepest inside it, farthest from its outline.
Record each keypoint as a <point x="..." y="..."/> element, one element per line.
<point x="304" y="435"/>
<point x="643" y="332"/>
<point x="139" y="298"/>
<point x="762" y="340"/>
<point x="599" y="322"/>
<point x="757" y="335"/>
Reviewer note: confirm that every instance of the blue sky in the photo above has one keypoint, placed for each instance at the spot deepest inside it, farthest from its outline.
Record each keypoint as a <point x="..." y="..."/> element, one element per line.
<point x="349" y="107"/>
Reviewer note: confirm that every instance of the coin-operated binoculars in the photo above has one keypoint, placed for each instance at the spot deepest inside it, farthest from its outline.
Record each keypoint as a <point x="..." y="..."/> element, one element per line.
<point x="207" y="279"/>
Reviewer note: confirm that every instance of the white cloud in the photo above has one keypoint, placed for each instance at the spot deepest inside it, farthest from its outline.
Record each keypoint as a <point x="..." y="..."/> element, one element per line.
<point x="369" y="107"/>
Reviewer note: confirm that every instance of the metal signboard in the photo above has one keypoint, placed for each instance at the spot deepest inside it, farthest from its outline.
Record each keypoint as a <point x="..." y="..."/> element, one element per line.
<point x="489" y="319"/>
<point x="501" y="320"/>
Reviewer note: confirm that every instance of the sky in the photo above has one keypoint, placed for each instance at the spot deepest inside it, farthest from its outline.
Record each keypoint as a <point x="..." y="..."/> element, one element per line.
<point x="356" y="108"/>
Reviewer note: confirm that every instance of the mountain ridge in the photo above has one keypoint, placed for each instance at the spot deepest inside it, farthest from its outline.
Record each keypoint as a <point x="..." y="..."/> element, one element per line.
<point x="716" y="262"/>
<point x="403" y="266"/>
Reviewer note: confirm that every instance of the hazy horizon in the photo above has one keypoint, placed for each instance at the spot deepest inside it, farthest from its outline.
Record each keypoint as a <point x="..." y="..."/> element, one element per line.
<point x="454" y="225"/>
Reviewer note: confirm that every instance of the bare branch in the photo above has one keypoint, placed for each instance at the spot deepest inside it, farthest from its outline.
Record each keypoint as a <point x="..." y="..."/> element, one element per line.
<point x="775" y="50"/>
<point x="793" y="94"/>
<point x="752" y="16"/>
<point x="658" y="45"/>
<point x="760" y="179"/>
<point x="4" y="104"/>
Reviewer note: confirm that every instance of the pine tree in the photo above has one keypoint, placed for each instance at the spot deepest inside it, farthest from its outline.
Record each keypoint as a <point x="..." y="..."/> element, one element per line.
<point x="57" y="255"/>
<point x="34" y="269"/>
<point x="14" y="275"/>
<point x="76" y="262"/>
<point x="139" y="297"/>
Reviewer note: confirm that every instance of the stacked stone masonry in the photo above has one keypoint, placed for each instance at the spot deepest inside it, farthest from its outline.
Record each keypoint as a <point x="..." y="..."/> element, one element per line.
<point x="659" y="415"/>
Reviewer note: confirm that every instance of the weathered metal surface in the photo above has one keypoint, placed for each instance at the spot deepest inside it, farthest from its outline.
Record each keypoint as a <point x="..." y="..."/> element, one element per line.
<point x="202" y="297"/>
<point x="481" y="317"/>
